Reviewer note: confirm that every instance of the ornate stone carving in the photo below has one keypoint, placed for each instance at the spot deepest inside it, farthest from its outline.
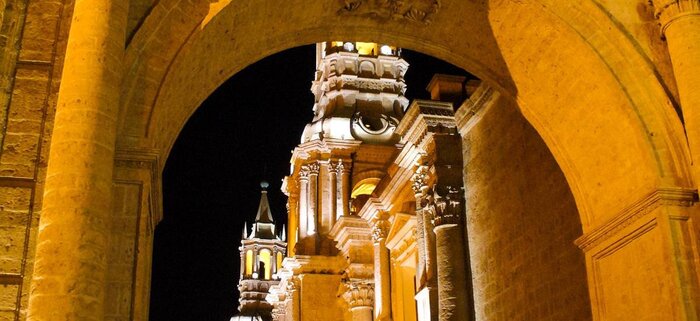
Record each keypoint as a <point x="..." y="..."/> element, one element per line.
<point x="449" y="208"/>
<point x="359" y="294"/>
<point x="666" y="11"/>
<point x="374" y="85"/>
<point x="343" y="167"/>
<point x="313" y="168"/>
<point x="413" y="10"/>
<point x="380" y="229"/>
<point x="333" y="166"/>
<point x="304" y="172"/>
<point x="420" y="180"/>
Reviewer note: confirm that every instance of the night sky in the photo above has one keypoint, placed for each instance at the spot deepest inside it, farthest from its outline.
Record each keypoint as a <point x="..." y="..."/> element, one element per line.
<point x="243" y="133"/>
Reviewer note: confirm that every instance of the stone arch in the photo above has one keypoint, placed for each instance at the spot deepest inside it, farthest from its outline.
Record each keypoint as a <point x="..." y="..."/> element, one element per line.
<point x="610" y="126"/>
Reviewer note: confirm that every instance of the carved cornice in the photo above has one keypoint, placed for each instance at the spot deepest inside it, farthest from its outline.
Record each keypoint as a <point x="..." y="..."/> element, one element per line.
<point x="659" y="197"/>
<point x="359" y="293"/>
<point x="399" y="251"/>
<point x="471" y="111"/>
<point x="327" y="146"/>
<point x="424" y="119"/>
<point x="421" y="11"/>
<point x="144" y="160"/>
<point x="667" y="11"/>
<point x="319" y="264"/>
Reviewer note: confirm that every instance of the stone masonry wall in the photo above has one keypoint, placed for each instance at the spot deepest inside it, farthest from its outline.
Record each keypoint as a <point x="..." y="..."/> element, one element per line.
<point x="522" y="222"/>
<point x="32" y="44"/>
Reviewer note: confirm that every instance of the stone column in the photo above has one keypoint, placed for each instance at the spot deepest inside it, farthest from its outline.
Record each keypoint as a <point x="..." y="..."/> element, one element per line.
<point x="312" y="224"/>
<point x="273" y="263"/>
<point x="360" y="298"/>
<point x="680" y="25"/>
<point x="303" y="201"/>
<point x="242" y="262"/>
<point x="70" y="267"/>
<point x="453" y="295"/>
<point x="425" y="238"/>
<point x="344" y="190"/>
<point x="382" y="272"/>
<point x="255" y="261"/>
<point x="333" y="192"/>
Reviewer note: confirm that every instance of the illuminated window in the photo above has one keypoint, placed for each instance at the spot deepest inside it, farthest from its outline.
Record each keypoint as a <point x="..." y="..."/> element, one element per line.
<point x="249" y="262"/>
<point x="367" y="48"/>
<point x="265" y="263"/>
<point x="279" y="260"/>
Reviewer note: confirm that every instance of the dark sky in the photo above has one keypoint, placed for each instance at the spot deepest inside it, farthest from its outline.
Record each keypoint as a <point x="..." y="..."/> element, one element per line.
<point x="243" y="133"/>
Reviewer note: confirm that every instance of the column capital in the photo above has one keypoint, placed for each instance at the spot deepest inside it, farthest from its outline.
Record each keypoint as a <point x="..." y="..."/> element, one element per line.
<point x="333" y="166"/>
<point x="343" y="167"/>
<point x="667" y="11"/>
<point x="448" y="204"/>
<point x="313" y="168"/>
<point x="359" y="293"/>
<point x="304" y="172"/>
<point x="380" y="226"/>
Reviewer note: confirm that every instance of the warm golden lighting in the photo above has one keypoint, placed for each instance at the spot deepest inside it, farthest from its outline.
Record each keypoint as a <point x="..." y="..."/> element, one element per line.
<point x="364" y="187"/>
<point x="279" y="260"/>
<point x="265" y="257"/>
<point x="249" y="262"/>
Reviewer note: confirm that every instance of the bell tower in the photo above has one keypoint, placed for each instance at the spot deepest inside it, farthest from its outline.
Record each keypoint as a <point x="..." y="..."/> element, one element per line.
<point x="262" y="252"/>
<point x="359" y="100"/>
<point x="345" y="150"/>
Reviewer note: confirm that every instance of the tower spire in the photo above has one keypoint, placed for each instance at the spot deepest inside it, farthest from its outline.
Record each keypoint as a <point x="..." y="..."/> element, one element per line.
<point x="264" y="214"/>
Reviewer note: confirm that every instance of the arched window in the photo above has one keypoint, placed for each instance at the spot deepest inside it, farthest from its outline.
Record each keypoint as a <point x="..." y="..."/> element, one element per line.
<point x="280" y="257"/>
<point x="249" y="262"/>
<point x="265" y="257"/>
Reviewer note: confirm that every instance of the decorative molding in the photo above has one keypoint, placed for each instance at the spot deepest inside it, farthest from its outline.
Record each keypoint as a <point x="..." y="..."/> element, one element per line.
<point x="406" y="243"/>
<point x="682" y="197"/>
<point x="359" y="293"/>
<point x="372" y="85"/>
<point x="667" y="11"/>
<point x="473" y="109"/>
<point x="421" y="11"/>
<point x="144" y="159"/>
<point x="424" y="119"/>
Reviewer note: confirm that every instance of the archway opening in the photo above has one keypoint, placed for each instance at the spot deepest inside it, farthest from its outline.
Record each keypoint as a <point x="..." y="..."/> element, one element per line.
<point x="242" y="133"/>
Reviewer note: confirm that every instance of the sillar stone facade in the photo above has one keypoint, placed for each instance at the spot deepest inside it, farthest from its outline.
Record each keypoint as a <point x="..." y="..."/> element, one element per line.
<point x="579" y="156"/>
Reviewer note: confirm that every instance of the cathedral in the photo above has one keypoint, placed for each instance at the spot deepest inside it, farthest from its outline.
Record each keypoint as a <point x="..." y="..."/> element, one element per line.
<point x="560" y="185"/>
<point x="359" y="232"/>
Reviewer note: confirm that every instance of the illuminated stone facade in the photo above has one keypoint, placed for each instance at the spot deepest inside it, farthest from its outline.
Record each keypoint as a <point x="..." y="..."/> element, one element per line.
<point x="579" y="155"/>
